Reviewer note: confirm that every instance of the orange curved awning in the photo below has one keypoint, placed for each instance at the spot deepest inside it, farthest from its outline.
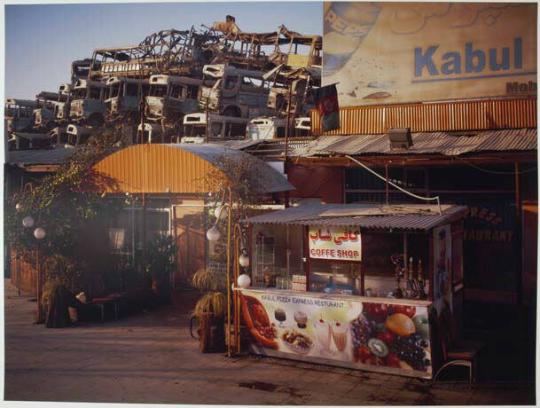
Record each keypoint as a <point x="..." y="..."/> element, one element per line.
<point x="183" y="168"/>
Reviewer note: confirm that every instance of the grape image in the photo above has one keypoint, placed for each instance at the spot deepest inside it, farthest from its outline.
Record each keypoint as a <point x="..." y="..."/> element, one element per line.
<point x="409" y="349"/>
<point x="362" y="330"/>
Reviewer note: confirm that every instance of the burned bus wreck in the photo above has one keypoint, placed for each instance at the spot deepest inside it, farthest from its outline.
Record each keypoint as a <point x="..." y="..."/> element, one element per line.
<point x="219" y="72"/>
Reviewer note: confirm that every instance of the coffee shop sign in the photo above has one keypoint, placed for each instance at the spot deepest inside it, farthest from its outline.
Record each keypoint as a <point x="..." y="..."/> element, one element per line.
<point x="338" y="243"/>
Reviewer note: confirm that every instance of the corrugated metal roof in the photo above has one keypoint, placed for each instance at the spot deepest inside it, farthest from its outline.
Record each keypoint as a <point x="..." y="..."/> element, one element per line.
<point x="184" y="168"/>
<point x="240" y="144"/>
<point x="269" y="179"/>
<point x="397" y="217"/>
<point x="444" y="143"/>
<point x="506" y="113"/>
<point x="35" y="157"/>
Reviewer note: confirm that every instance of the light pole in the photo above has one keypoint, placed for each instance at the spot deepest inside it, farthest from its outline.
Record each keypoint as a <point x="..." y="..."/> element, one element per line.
<point x="238" y="259"/>
<point x="241" y="261"/>
<point x="213" y="235"/>
<point x="39" y="234"/>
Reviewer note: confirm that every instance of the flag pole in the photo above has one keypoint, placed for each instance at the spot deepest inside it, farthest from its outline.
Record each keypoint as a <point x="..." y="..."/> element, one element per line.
<point x="288" y="127"/>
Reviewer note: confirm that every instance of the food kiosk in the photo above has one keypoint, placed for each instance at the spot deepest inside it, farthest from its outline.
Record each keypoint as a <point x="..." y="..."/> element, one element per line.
<point x="356" y="286"/>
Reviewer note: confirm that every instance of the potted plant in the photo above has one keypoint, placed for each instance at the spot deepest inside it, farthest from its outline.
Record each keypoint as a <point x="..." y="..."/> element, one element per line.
<point x="160" y="264"/>
<point x="210" y="311"/>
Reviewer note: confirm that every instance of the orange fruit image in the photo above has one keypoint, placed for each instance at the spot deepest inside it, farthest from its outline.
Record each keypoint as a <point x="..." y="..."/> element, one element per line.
<point x="400" y="324"/>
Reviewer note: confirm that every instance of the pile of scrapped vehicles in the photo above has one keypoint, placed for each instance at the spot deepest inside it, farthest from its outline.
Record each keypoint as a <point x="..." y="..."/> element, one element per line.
<point x="193" y="86"/>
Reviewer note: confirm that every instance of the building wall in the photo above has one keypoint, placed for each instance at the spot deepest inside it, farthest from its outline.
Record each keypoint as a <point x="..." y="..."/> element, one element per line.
<point x="321" y="182"/>
<point x="23" y="274"/>
<point x="492" y="228"/>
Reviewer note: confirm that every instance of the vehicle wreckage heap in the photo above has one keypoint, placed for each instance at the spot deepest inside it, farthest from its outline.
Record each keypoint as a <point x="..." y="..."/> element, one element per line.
<point x="204" y="85"/>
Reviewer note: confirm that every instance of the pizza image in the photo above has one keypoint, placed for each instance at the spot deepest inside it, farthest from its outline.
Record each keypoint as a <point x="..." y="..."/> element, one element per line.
<point x="258" y="322"/>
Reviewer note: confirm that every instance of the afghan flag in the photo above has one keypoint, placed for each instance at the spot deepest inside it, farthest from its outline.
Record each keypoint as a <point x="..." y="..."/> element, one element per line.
<point x="326" y="101"/>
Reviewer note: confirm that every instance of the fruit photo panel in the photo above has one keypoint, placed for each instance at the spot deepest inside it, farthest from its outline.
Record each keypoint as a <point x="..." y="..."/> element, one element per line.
<point x="388" y="337"/>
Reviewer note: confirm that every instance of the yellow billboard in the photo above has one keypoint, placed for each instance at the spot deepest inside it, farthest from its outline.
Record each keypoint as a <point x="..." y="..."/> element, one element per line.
<point x="413" y="52"/>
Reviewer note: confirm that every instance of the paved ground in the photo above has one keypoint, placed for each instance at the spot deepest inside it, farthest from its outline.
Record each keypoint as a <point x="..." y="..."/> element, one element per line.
<point x="151" y="358"/>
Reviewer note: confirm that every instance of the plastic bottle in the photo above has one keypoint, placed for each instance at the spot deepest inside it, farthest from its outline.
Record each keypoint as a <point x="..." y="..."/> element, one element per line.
<point x="346" y="24"/>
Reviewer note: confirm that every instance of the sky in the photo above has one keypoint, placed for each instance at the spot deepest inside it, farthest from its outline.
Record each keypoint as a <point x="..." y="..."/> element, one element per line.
<point x="42" y="40"/>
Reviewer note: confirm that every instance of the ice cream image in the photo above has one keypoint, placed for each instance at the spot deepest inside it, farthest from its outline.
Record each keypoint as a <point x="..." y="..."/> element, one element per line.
<point x="339" y="334"/>
<point x="301" y="319"/>
<point x="322" y="333"/>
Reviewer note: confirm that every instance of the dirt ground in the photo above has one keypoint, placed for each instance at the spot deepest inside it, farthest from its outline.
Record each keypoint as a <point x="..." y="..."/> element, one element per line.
<point x="150" y="357"/>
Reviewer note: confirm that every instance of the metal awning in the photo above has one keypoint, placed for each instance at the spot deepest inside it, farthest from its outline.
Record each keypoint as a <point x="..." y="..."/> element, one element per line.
<point x="444" y="143"/>
<point x="25" y="158"/>
<point x="32" y="136"/>
<point x="185" y="168"/>
<point x="406" y="217"/>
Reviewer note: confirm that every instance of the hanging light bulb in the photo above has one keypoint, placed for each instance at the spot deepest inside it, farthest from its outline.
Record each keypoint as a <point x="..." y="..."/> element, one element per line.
<point x="28" y="221"/>
<point x="18" y="207"/>
<point x="218" y="212"/>
<point x="243" y="281"/>
<point x="39" y="233"/>
<point x="213" y="234"/>
<point x="243" y="259"/>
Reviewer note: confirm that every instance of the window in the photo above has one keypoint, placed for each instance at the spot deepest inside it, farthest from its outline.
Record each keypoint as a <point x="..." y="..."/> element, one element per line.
<point x="158" y="90"/>
<point x="231" y="82"/>
<point x="235" y="130"/>
<point x="94" y="93"/>
<point x="132" y="89"/>
<point x="192" y="92"/>
<point x="216" y="128"/>
<point x="255" y="82"/>
<point x="175" y="91"/>
<point x="113" y="90"/>
<point x="126" y="231"/>
<point x="79" y="93"/>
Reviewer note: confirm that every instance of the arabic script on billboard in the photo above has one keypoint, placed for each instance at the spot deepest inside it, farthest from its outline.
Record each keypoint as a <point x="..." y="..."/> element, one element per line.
<point x="410" y="52"/>
<point x="343" y="243"/>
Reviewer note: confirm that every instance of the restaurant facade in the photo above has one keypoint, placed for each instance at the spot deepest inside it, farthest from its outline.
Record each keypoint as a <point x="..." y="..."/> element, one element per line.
<point x="437" y="101"/>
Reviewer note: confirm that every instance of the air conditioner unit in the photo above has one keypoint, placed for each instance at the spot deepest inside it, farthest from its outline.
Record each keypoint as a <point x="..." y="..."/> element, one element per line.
<point x="400" y="138"/>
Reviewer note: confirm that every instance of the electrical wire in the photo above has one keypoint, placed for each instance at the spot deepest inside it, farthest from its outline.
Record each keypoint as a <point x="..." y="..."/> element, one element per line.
<point x="436" y="198"/>
<point x="507" y="173"/>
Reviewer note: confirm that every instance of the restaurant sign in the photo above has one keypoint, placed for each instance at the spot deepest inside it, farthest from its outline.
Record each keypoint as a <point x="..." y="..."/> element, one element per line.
<point x="381" y="336"/>
<point x="337" y="243"/>
<point x="398" y="52"/>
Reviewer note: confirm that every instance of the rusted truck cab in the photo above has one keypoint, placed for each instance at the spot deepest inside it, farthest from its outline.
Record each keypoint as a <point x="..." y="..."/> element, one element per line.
<point x="170" y="97"/>
<point x="235" y="92"/>
<point x="44" y="115"/>
<point x="59" y="136"/>
<point x="19" y="114"/>
<point x="123" y="95"/>
<point x="213" y="127"/>
<point x="152" y="133"/>
<point x="88" y="105"/>
<point x="265" y="128"/>
<point x="78" y="135"/>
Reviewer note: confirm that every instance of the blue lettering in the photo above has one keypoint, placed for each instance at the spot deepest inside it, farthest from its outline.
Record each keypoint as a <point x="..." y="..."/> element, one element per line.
<point x="425" y="60"/>
<point x="504" y="64"/>
<point x="470" y="61"/>
<point x="470" y="55"/>
<point x="452" y="64"/>
<point x="518" y="53"/>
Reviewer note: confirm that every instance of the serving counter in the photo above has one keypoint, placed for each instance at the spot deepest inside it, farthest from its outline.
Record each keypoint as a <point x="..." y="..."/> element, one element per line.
<point x="373" y="287"/>
<point x="376" y="334"/>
